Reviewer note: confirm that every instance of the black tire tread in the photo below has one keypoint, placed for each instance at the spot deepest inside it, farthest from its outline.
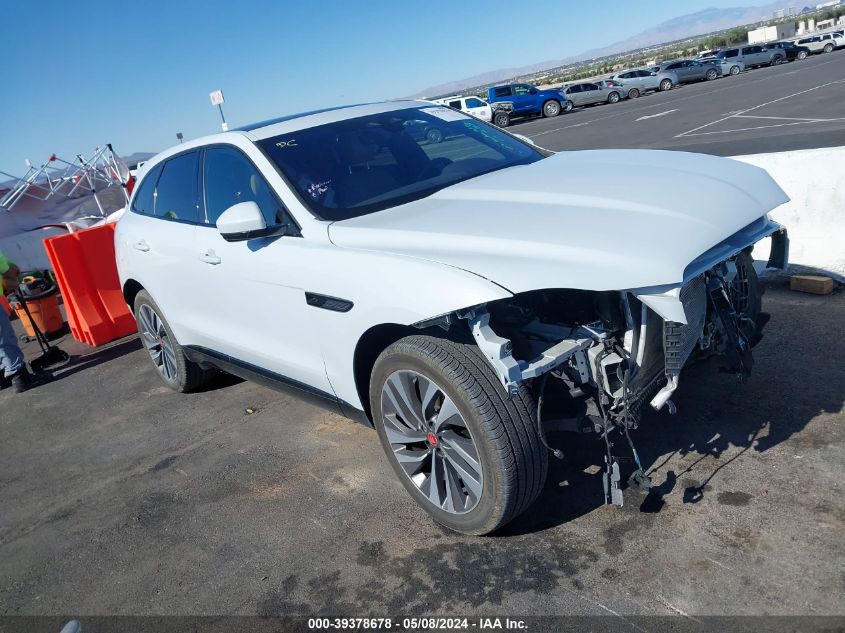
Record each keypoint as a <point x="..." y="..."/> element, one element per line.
<point x="509" y="424"/>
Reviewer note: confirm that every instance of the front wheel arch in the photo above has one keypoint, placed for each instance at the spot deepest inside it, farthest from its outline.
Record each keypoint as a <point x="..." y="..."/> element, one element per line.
<point x="369" y="347"/>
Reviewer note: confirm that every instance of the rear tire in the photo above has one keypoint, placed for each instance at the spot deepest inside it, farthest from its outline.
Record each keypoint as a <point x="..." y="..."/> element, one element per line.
<point x="551" y="108"/>
<point x="711" y="74"/>
<point x="802" y="55"/>
<point x="567" y="107"/>
<point x="734" y="70"/>
<point x="168" y="357"/>
<point x="633" y="93"/>
<point x="665" y="84"/>
<point x="502" y="119"/>
<point x="828" y="48"/>
<point x="501" y="433"/>
<point x="777" y="60"/>
<point x="613" y="97"/>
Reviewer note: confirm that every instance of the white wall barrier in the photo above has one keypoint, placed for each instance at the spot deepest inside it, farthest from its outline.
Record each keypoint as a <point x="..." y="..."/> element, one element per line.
<point x="814" y="179"/>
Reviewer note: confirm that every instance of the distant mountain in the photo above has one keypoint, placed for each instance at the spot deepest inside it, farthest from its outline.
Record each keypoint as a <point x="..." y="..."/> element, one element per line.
<point x="698" y="23"/>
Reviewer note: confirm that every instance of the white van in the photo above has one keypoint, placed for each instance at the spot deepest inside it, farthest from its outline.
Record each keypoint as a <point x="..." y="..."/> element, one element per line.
<point x="473" y="105"/>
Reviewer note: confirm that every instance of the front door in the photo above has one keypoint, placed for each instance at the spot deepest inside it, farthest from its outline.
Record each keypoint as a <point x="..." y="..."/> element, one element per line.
<point x="254" y="309"/>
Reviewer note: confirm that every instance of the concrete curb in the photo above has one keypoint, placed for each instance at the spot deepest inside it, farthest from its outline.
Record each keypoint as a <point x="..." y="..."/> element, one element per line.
<point x="814" y="179"/>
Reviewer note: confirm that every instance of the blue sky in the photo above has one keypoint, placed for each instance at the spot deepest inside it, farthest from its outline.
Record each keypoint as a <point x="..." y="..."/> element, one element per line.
<point x="77" y="75"/>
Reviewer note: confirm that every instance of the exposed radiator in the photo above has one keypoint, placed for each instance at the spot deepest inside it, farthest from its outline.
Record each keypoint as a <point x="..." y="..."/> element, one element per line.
<point x="679" y="340"/>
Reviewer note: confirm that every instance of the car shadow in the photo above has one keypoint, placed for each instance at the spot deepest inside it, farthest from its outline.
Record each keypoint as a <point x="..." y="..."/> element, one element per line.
<point x="716" y="416"/>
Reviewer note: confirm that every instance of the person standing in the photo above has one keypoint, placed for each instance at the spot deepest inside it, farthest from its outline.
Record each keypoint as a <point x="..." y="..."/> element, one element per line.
<point x="12" y="365"/>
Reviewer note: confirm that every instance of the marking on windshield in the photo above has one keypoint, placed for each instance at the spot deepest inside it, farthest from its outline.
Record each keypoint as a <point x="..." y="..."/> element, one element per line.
<point x="284" y="144"/>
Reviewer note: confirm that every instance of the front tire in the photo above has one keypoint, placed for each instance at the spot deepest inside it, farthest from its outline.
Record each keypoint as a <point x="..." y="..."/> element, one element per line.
<point x="777" y="60"/>
<point x="734" y="70"/>
<point x="168" y="357"/>
<point x="711" y="74"/>
<point x="665" y="84"/>
<point x="551" y="109"/>
<point x="633" y="93"/>
<point x="466" y="453"/>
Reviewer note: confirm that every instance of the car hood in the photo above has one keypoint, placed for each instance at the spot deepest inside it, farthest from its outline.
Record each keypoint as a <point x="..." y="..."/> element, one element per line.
<point x="597" y="220"/>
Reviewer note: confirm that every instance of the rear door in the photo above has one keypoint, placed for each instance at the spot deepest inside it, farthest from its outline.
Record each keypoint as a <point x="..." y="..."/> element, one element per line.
<point x="591" y="93"/>
<point x="574" y="94"/>
<point x="680" y="70"/>
<point x="161" y="237"/>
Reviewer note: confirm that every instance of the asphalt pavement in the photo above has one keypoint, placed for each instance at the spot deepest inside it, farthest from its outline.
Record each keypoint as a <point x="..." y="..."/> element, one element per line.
<point x="119" y="496"/>
<point x="797" y="105"/>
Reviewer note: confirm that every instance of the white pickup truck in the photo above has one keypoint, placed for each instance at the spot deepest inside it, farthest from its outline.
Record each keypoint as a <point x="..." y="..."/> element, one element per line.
<point x="498" y="114"/>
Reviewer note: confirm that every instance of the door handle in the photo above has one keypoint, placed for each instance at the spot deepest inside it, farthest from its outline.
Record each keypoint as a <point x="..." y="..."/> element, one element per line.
<point x="210" y="257"/>
<point x="141" y="245"/>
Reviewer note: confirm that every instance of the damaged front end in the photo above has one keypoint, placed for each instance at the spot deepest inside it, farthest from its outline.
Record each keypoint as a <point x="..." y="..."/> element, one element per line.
<point x="602" y="356"/>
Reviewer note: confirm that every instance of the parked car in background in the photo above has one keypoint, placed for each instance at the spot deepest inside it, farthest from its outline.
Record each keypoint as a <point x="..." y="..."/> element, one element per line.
<point x="528" y="100"/>
<point x="725" y="66"/>
<point x="591" y="93"/>
<point x="687" y="70"/>
<point x="753" y="56"/>
<point x="824" y="43"/>
<point x="639" y="81"/>
<point x="791" y="50"/>
<point x="473" y="105"/>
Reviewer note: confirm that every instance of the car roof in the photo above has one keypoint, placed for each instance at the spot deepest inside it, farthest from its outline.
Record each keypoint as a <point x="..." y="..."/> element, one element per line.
<point x="287" y="124"/>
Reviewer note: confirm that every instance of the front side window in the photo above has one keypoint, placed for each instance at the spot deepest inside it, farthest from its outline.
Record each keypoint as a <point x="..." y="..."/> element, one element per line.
<point x="475" y="103"/>
<point x="521" y="90"/>
<point x="176" y="191"/>
<point x="357" y="166"/>
<point x="229" y="177"/>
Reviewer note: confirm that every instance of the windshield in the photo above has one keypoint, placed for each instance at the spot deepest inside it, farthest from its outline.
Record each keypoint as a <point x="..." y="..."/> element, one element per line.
<point x="358" y="166"/>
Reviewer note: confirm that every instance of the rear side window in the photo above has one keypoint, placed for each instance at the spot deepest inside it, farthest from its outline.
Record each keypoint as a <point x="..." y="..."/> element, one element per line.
<point x="674" y="66"/>
<point x="176" y="192"/>
<point x="505" y="91"/>
<point x="144" y="201"/>
<point x="455" y="104"/>
<point x="732" y="53"/>
<point x="229" y="178"/>
<point x="573" y="90"/>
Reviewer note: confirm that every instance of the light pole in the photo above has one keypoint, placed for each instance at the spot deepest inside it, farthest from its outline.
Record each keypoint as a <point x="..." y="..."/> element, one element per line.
<point x="217" y="100"/>
<point x="180" y="137"/>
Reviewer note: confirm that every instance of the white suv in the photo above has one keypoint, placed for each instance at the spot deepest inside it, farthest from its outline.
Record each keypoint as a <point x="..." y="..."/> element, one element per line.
<point x="462" y="297"/>
<point x="475" y="106"/>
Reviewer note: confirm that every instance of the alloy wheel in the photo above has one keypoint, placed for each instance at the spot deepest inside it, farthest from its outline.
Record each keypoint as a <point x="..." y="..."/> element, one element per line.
<point x="431" y="441"/>
<point x="157" y="342"/>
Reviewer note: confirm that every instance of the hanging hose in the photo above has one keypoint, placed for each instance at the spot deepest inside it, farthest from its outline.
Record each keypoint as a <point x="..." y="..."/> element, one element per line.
<point x="554" y="451"/>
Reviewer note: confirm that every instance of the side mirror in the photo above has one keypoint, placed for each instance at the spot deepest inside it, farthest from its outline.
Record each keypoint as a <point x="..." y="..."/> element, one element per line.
<point x="532" y="91"/>
<point x="244" y="221"/>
